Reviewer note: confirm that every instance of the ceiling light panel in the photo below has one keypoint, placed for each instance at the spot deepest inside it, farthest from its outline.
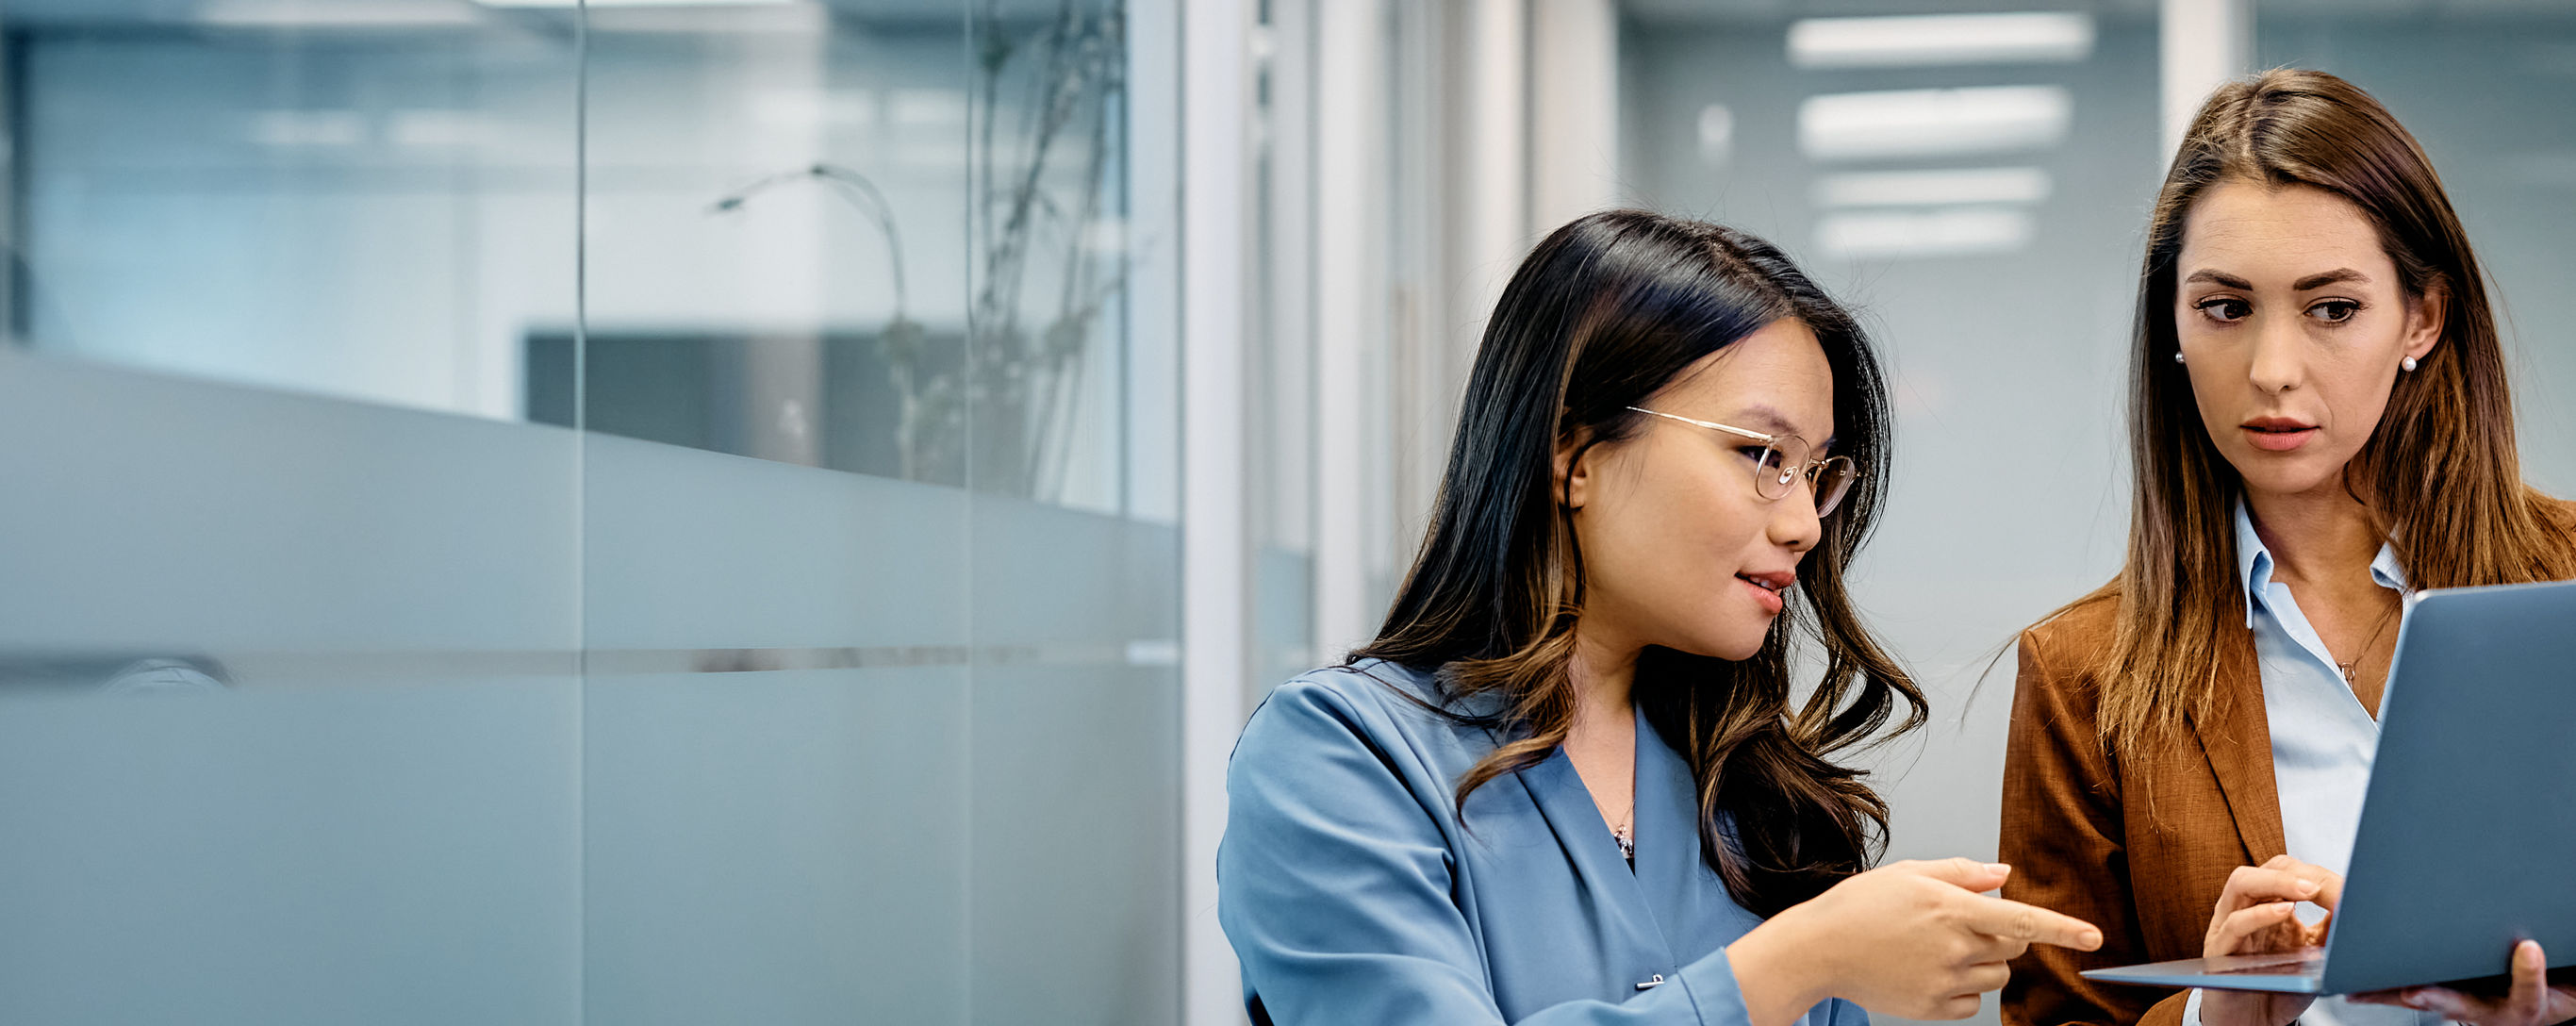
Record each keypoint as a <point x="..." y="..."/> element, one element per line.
<point x="1948" y="186"/>
<point x="1932" y="122"/>
<point x="2040" y="37"/>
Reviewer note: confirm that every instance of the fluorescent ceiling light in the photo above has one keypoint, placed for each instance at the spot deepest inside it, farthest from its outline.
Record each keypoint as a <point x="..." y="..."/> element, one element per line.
<point x="1933" y="188"/>
<point x="1932" y="122"/>
<point x="1716" y="134"/>
<point x="302" y="14"/>
<point x="1941" y="39"/>
<point x="1904" y="234"/>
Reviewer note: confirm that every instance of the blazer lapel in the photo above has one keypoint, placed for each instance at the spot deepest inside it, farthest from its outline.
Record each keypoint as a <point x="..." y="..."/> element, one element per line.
<point x="1585" y="838"/>
<point x="1667" y="809"/>
<point x="2237" y="738"/>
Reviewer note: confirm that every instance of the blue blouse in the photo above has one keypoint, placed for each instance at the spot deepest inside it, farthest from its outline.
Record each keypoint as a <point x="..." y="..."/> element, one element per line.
<point x="1355" y="891"/>
<point x="2323" y="742"/>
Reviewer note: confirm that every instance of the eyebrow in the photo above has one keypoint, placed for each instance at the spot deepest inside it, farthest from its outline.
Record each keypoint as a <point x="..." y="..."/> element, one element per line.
<point x="1772" y="420"/>
<point x="1767" y="419"/>
<point x="2337" y="276"/>
<point x="2314" y="281"/>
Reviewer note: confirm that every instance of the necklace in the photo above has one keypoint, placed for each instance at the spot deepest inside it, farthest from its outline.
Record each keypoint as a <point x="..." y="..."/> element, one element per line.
<point x="1621" y="833"/>
<point x="2352" y="670"/>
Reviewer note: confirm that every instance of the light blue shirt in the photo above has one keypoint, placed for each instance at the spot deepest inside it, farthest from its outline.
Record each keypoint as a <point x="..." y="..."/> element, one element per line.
<point x="2323" y="740"/>
<point x="1357" y="892"/>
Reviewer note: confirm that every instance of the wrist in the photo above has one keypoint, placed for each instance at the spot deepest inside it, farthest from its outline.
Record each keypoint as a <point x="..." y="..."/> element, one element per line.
<point x="1779" y="975"/>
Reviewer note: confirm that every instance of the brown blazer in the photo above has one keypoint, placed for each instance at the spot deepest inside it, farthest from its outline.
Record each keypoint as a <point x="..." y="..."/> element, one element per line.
<point x="2140" y="847"/>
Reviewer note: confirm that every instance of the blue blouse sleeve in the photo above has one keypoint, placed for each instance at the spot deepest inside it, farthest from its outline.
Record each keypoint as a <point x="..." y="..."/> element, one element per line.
<point x="1333" y="883"/>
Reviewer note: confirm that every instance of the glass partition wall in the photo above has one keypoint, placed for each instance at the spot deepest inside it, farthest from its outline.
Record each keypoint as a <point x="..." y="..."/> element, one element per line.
<point x="517" y="512"/>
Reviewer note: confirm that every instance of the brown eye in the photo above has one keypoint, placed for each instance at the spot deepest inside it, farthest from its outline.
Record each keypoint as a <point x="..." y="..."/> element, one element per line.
<point x="2334" y="311"/>
<point x="2224" y="310"/>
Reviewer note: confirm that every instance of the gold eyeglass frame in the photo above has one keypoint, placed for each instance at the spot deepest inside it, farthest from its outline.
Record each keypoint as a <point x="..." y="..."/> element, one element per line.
<point x="1808" y="466"/>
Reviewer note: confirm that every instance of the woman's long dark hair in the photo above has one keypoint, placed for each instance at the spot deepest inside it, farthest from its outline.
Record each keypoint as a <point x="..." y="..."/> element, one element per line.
<point x="1604" y="313"/>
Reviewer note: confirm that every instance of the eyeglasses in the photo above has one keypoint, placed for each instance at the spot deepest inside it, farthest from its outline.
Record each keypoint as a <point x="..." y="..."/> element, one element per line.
<point x="1783" y="460"/>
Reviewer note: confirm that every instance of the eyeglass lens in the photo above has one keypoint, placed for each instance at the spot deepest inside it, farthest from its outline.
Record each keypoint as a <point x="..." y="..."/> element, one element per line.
<point x="1783" y="463"/>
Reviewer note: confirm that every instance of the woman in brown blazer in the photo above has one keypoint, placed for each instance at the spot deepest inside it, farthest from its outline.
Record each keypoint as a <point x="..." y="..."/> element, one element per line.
<point x="2319" y="423"/>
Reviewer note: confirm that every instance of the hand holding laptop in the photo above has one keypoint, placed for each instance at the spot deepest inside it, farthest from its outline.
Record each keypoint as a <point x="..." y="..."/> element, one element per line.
<point x="2258" y="915"/>
<point x="2466" y="792"/>
<point x="2532" y="1002"/>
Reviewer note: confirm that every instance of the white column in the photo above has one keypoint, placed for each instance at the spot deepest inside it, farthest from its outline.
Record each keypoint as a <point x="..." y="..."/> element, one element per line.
<point x="1469" y="182"/>
<point x="1216" y="582"/>
<point x="1493" y="161"/>
<point x="1573" y="110"/>
<point x="2203" y="43"/>
<point x="1350" y="308"/>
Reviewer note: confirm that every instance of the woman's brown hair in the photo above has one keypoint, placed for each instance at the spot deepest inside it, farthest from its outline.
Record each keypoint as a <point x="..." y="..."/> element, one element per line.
<point x="1605" y="312"/>
<point x="2439" y="474"/>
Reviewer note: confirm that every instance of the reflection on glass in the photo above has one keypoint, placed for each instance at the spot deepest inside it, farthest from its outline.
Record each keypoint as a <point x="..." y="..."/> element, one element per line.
<point x="828" y="715"/>
<point x="1048" y="246"/>
<point x="291" y="196"/>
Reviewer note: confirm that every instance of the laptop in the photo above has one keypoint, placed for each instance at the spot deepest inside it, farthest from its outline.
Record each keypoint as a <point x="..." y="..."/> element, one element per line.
<point x="2467" y="842"/>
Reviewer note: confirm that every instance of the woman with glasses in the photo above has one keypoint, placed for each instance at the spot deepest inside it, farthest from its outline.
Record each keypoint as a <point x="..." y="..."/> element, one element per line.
<point x="1572" y="780"/>
<point x="2319" y="424"/>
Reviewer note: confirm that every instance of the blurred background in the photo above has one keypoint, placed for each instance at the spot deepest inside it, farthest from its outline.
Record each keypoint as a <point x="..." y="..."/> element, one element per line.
<point x="774" y="510"/>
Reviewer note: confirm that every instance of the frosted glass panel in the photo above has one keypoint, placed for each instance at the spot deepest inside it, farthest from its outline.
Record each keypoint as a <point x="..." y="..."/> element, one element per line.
<point x="388" y="855"/>
<point x="777" y="847"/>
<point x="698" y="550"/>
<point x="772" y="618"/>
<point x="170" y="517"/>
<point x="288" y="708"/>
<point x="1076" y="721"/>
<point x="882" y="699"/>
<point x="290" y="614"/>
<point x="1076" y="843"/>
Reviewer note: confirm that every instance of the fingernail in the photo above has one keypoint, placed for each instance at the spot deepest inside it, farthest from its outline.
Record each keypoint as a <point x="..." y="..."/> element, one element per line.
<point x="2092" y="939"/>
<point x="2307" y="887"/>
<point x="2000" y="868"/>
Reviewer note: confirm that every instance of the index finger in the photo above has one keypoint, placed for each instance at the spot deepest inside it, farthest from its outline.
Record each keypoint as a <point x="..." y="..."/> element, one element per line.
<point x="2329" y="884"/>
<point x="2249" y="886"/>
<point x="2012" y="920"/>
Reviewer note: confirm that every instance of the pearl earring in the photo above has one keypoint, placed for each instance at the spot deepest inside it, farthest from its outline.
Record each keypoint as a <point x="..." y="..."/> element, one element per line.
<point x="2177" y="356"/>
<point x="2408" y="363"/>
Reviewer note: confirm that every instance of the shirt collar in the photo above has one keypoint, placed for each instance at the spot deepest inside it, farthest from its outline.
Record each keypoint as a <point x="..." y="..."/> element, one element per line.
<point x="2254" y="564"/>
